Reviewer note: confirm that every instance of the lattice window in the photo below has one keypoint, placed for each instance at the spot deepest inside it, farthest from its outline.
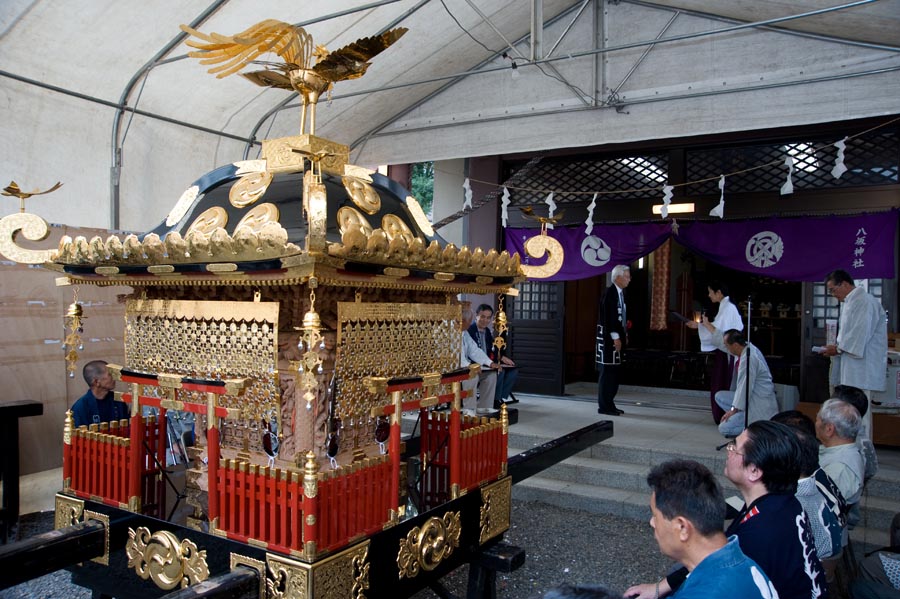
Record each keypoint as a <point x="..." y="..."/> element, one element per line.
<point x="634" y="177"/>
<point x="870" y="160"/>
<point x="536" y="301"/>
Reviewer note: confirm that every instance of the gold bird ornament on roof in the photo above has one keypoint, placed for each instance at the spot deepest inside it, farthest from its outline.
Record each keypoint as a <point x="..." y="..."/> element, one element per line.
<point x="528" y="212"/>
<point x="294" y="45"/>
<point x="13" y="190"/>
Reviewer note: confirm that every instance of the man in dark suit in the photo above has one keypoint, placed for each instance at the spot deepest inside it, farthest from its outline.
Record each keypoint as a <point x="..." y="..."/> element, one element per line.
<point x="613" y="320"/>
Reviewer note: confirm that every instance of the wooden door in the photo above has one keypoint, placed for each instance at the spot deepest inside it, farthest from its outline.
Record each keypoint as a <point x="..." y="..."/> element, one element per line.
<point x="536" y="336"/>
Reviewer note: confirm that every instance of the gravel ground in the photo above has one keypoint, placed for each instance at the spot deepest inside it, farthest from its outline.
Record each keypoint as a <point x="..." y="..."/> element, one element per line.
<point x="561" y="546"/>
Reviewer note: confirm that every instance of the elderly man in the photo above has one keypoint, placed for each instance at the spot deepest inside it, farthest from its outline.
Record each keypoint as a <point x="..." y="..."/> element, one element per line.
<point x="688" y="513"/>
<point x="837" y="425"/>
<point x="506" y="373"/>
<point x="614" y="322"/>
<point x="763" y="403"/>
<point x="98" y="404"/>
<point x="859" y="358"/>
<point x="772" y="528"/>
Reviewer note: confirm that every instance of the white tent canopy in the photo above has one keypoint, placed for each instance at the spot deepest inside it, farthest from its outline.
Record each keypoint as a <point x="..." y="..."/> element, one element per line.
<point x="101" y="96"/>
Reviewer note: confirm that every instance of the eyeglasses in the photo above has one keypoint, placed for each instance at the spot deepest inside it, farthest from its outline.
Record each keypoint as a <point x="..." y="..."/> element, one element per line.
<point x="732" y="447"/>
<point x="832" y="289"/>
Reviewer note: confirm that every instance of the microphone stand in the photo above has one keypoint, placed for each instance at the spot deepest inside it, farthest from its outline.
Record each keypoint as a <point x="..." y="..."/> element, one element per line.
<point x="747" y="367"/>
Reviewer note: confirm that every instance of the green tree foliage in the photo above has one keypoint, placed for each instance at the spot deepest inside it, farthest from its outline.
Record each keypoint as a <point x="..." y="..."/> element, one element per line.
<point x="423" y="184"/>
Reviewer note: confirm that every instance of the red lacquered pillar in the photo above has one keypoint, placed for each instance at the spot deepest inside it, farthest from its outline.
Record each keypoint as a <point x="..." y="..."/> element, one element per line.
<point x="310" y="505"/>
<point x="394" y="450"/>
<point x="212" y="458"/>
<point x="136" y="450"/>
<point x="455" y="441"/>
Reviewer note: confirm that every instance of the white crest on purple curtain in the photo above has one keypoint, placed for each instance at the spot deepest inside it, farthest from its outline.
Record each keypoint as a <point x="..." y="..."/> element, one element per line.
<point x="839" y="168"/>
<point x="549" y="201"/>
<point x="667" y="199"/>
<point x="504" y="205"/>
<point x="719" y="210"/>
<point x="468" y="201"/>
<point x="788" y="186"/>
<point x="589" y="223"/>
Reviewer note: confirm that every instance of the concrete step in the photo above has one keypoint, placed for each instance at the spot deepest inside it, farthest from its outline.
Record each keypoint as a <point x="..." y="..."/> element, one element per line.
<point x="636" y="504"/>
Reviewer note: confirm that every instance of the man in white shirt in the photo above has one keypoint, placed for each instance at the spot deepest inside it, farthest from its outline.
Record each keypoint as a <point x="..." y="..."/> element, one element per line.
<point x="859" y="358"/>
<point x="837" y="425"/>
<point x="470" y="353"/>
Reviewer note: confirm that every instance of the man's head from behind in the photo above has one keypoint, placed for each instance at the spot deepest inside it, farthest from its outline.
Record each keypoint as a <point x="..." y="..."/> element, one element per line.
<point x="735" y="341"/>
<point x="686" y="501"/>
<point x="765" y="457"/>
<point x="854" y="396"/>
<point x="805" y="429"/>
<point x="97" y="377"/>
<point x="837" y="423"/>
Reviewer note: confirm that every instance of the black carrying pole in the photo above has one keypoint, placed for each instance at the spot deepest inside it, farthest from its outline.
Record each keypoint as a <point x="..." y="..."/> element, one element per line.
<point x="50" y="551"/>
<point x="747" y="387"/>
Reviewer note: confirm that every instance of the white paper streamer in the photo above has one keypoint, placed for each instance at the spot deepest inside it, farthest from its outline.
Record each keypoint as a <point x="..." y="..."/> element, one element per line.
<point x="549" y="201"/>
<point x="504" y="204"/>
<point x="667" y="199"/>
<point x="839" y="168"/>
<point x="788" y="186"/>
<point x="468" y="202"/>
<point x="719" y="210"/>
<point x="589" y="223"/>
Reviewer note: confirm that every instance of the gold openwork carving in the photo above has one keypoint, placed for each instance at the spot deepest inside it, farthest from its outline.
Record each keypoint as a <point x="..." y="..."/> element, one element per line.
<point x="164" y="559"/>
<point x="426" y="547"/>
<point x="536" y="247"/>
<point x="208" y="340"/>
<point x="247" y="190"/>
<point x="363" y="195"/>
<point x="286" y="579"/>
<point x="390" y="340"/>
<point x="68" y="511"/>
<point x="34" y="228"/>
<point x="495" y="509"/>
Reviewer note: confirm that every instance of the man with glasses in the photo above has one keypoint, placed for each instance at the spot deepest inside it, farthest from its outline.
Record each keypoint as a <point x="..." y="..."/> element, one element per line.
<point x="772" y="528"/>
<point x="859" y="358"/>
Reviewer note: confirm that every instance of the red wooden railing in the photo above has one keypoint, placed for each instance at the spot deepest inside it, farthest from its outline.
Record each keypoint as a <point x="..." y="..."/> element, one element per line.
<point x="99" y="464"/>
<point x="268" y="505"/>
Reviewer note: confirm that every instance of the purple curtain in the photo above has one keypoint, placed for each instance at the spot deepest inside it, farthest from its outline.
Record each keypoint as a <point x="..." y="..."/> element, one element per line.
<point x="791" y="249"/>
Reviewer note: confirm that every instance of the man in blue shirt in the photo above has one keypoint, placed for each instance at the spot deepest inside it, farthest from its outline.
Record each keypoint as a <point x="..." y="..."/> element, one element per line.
<point x="98" y="404"/>
<point x="688" y="515"/>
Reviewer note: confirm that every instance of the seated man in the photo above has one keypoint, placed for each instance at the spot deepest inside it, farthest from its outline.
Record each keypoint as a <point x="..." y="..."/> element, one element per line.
<point x="837" y="425"/>
<point x="857" y="398"/>
<point x="688" y="513"/>
<point x="772" y="528"/>
<point x="763" y="404"/>
<point x="98" y="404"/>
<point x="506" y="376"/>
<point x="817" y="493"/>
<point x="469" y="353"/>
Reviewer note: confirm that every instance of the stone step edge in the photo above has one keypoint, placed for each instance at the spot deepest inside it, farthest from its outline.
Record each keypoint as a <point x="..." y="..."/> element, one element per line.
<point x="870" y="501"/>
<point x="629" y="504"/>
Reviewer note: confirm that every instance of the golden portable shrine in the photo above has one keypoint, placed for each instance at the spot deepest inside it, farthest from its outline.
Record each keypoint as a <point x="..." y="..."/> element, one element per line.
<point x="294" y="306"/>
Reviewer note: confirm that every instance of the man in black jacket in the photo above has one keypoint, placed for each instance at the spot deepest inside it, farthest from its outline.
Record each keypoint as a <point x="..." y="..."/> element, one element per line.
<point x="505" y="374"/>
<point x="614" y="331"/>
